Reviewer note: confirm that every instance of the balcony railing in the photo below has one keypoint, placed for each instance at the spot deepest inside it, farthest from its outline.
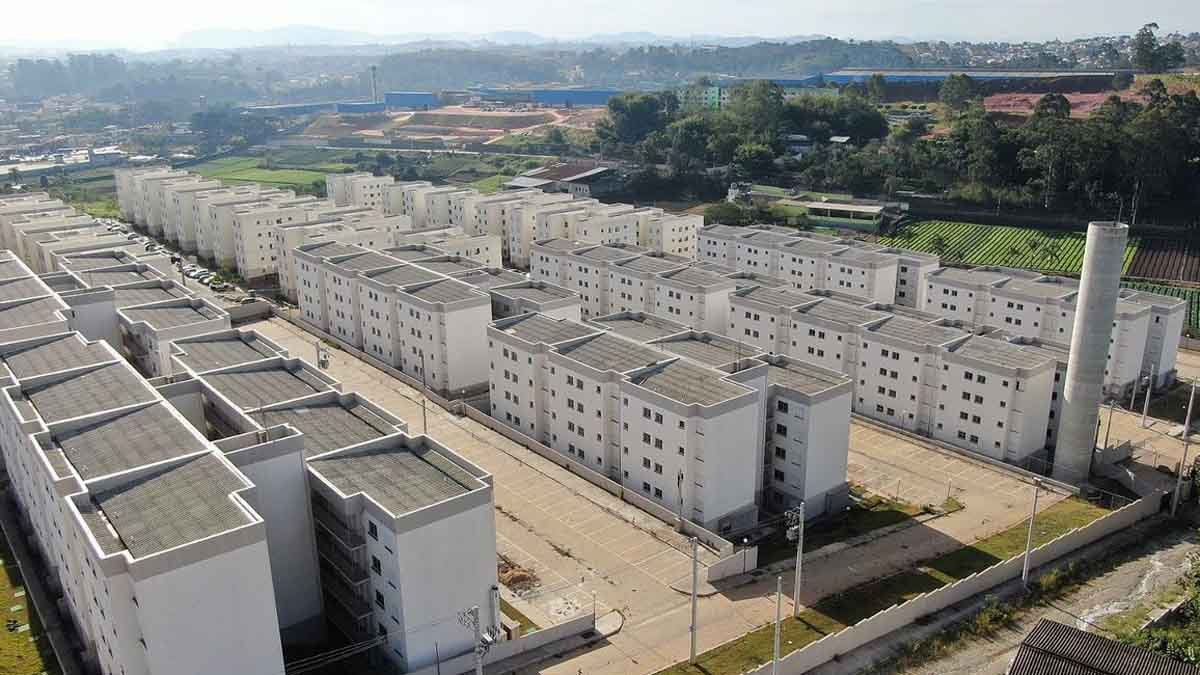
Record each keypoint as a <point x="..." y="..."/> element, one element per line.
<point x="337" y="588"/>
<point x="337" y="527"/>
<point x="345" y="623"/>
<point x="342" y="563"/>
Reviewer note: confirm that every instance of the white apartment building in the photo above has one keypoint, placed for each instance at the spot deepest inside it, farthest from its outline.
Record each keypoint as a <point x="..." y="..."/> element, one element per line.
<point x="22" y="233"/>
<point x="525" y="297"/>
<point x="485" y="248"/>
<point x="372" y="233"/>
<point x="1146" y="329"/>
<point x="632" y="283"/>
<point x="762" y="317"/>
<point x="214" y="236"/>
<point x="695" y="297"/>
<point x="132" y="189"/>
<point x="178" y="200"/>
<point x="358" y="189"/>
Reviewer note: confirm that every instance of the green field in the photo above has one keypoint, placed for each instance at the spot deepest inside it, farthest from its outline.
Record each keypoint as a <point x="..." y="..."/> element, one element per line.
<point x="491" y="184"/>
<point x="975" y="244"/>
<point x="27" y="652"/>
<point x="837" y="612"/>
<point x="1192" y="295"/>
<point x="246" y="169"/>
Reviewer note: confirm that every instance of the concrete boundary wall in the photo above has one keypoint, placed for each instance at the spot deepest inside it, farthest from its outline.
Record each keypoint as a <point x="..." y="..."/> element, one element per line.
<point x="463" y="663"/>
<point x="889" y="620"/>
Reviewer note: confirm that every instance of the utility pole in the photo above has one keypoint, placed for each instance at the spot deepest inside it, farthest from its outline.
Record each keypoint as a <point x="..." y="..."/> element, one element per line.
<point x="424" y="388"/>
<point x="695" y="594"/>
<point x="795" y="519"/>
<point x="1037" y="487"/>
<point x="1149" y="388"/>
<point x="778" y="613"/>
<point x="1111" y="404"/>
<point x="1187" y="435"/>
<point x="470" y="619"/>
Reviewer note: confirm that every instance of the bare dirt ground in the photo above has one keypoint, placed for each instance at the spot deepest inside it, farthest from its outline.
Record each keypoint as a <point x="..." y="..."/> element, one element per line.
<point x="1082" y="105"/>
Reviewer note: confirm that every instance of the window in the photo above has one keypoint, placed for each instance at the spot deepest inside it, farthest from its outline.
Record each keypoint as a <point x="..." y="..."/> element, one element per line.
<point x="645" y="487"/>
<point x="658" y="468"/>
<point x="781" y="430"/>
<point x="781" y="406"/>
<point x="645" y="462"/>
<point x="376" y="566"/>
<point x="372" y="531"/>
<point x="379" y="600"/>
<point x="646" y="413"/>
<point x="646" y="438"/>
<point x="779" y="476"/>
<point x="658" y="493"/>
<point x="780" y="453"/>
<point x="658" y="418"/>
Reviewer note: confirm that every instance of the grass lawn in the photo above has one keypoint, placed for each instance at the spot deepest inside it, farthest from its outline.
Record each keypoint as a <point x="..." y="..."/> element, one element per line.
<point x="18" y="655"/>
<point x="527" y="624"/>
<point x="872" y="513"/>
<point x="246" y="169"/>
<point x="491" y="184"/>
<point x="837" y="612"/>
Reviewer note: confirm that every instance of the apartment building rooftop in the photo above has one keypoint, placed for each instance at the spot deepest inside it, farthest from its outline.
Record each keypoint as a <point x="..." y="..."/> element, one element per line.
<point x="406" y="476"/>
<point x="605" y="351"/>
<point x="805" y="245"/>
<point x="803" y="377"/>
<point x="444" y="290"/>
<point x="862" y="257"/>
<point x="404" y="275"/>
<point x="21" y="288"/>
<point x="130" y="296"/>
<point x="265" y="385"/>
<point x="774" y="297"/>
<point x="81" y="393"/>
<point x="563" y="245"/>
<point x="712" y="350"/>
<point x="762" y="238"/>
<point x="652" y="264"/>
<point x="11" y="267"/>
<point x="841" y="312"/>
<point x="128" y="440"/>
<point x="449" y="264"/>
<point x="688" y="383"/>
<point x="1043" y="289"/>
<point x="172" y="316"/>
<point x="328" y="425"/>
<point x="488" y="278"/>
<point x="1000" y="353"/>
<point x="639" y="326"/>
<point x="974" y="276"/>
<point x="30" y="312"/>
<point x="917" y="332"/>
<point x="606" y="253"/>
<point x="534" y="292"/>
<point x="1161" y="302"/>
<point x="368" y="260"/>
<point x="168" y="507"/>
<point x="724" y="270"/>
<point x="719" y="230"/>
<point x="60" y="353"/>
<point x="330" y="249"/>
<point x="413" y="252"/>
<point x="693" y="276"/>
<point x="210" y="352"/>
<point x="94" y="261"/>
<point x="116" y="277"/>
<point x="749" y="279"/>
<point x="541" y="328"/>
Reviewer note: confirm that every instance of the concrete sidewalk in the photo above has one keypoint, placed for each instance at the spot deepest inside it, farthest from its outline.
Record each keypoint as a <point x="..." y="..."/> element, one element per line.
<point x="606" y="626"/>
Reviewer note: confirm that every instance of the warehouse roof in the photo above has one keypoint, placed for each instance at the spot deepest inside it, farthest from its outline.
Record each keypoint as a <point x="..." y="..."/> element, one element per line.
<point x="1055" y="649"/>
<point x="404" y="477"/>
<point x="131" y="439"/>
<point x="208" y="353"/>
<point x="688" y="383"/>
<point x="605" y="351"/>
<point x="328" y="426"/>
<point x="541" y="328"/>
<point x="86" y="392"/>
<point x="169" y="507"/>
<point x="249" y="389"/>
<point x="63" y="353"/>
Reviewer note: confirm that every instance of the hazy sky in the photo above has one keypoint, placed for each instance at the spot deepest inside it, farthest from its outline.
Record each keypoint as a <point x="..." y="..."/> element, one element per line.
<point x="149" y="24"/>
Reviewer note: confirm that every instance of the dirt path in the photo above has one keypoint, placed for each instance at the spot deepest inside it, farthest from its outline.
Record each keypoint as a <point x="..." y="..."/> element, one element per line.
<point x="1151" y="568"/>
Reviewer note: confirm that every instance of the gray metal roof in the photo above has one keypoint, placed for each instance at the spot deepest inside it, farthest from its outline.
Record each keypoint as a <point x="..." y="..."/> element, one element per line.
<point x="61" y="283"/>
<point x="329" y="426"/>
<point x="640" y="327"/>
<point x="13" y="268"/>
<point x="449" y="266"/>
<point x="541" y="328"/>
<point x="917" y="332"/>
<point x="249" y="389"/>
<point x="766" y="239"/>
<point x="562" y="244"/>
<point x="803" y="377"/>
<point x="172" y="317"/>
<point x="173" y="506"/>
<point x="841" y="312"/>
<point x="85" y="393"/>
<point x="709" y="349"/>
<point x="17" y="289"/>
<point x="719" y="230"/>
<point x="855" y="255"/>
<point x="446" y="290"/>
<point x="62" y="353"/>
<point x="1051" y="288"/>
<point x="710" y="266"/>
<point x="535" y="292"/>
<point x="365" y="261"/>
<point x="331" y="249"/>
<point x="220" y="352"/>
<point x="128" y="297"/>
<point x="748" y="279"/>
<point x="115" y="277"/>
<point x="401" y="479"/>
<point x="404" y="275"/>
<point x="1000" y="353"/>
<point x="697" y="277"/>
<point x="688" y="383"/>
<point x="409" y="254"/>
<point x="779" y="298"/>
<point x="1052" y="648"/>
<point x="97" y="261"/>
<point x="954" y="274"/>
<point x="651" y="264"/>
<point x="30" y="312"/>
<point x="144" y="436"/>
<point x="608" y="352"/>
<point x="605" y="253"/>
<point x="485" y="279"/>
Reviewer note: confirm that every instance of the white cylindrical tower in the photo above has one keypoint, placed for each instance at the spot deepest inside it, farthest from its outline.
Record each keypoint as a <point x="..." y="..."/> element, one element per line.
<point x="1083" y="391"/>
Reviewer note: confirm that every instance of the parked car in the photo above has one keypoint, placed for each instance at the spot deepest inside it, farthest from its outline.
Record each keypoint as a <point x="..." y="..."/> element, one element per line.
<point x="220" y="287"/>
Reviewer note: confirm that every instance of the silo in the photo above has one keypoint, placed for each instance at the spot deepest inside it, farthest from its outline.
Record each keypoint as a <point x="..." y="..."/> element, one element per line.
<point x="1083" y="391"/>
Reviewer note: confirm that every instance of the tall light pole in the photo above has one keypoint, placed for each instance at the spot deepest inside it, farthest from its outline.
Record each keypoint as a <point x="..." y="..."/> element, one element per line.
<point x="695" y="629"/>
<point x="1037" y="487"/>
<point x="1187" y="436"/>
<point x="424" y="388"/>
<point x="796" y="522"/>
<point x="778" y="613"/>
<point x="1149" y="388"/>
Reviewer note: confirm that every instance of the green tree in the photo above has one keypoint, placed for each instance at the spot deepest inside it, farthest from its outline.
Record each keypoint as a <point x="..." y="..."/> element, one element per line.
<point x="688" y="139"/>
<point x="1122" y="80"/>
<point x="758" y="108"/>
<point x="754" y="160"/>
<point x="1151" y="56"/>
<point x="556" y="137"/>
<point x="1053" y="105"/>
<point x="725" y="213"/>
<point x="634" y="116"/>
<point x="877" y="88"/>
<point x="957" y="91"/>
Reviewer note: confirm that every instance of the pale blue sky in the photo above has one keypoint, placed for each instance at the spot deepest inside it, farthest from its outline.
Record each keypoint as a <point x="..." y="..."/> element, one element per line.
<point x="148" y="24"/>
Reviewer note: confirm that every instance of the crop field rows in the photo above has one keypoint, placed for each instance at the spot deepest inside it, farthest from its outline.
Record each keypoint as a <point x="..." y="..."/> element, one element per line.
<point x="975" y="244"/>
<point x="1167" y="259"/>
<point x="1192" y="295"/>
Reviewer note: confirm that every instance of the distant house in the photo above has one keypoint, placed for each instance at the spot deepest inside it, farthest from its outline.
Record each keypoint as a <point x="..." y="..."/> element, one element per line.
<point x="577" y="178"/>
<point x="1052" y="648"/>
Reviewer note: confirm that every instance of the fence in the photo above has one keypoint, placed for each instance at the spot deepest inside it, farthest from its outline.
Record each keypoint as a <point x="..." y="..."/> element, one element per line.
<point x="510" y="648"/>
<point x="885" y="622"/>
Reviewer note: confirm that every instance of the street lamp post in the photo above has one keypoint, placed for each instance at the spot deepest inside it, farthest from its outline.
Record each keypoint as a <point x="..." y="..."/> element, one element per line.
<point x="1037" y="487"/>
<point x="1187" y="436"/>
